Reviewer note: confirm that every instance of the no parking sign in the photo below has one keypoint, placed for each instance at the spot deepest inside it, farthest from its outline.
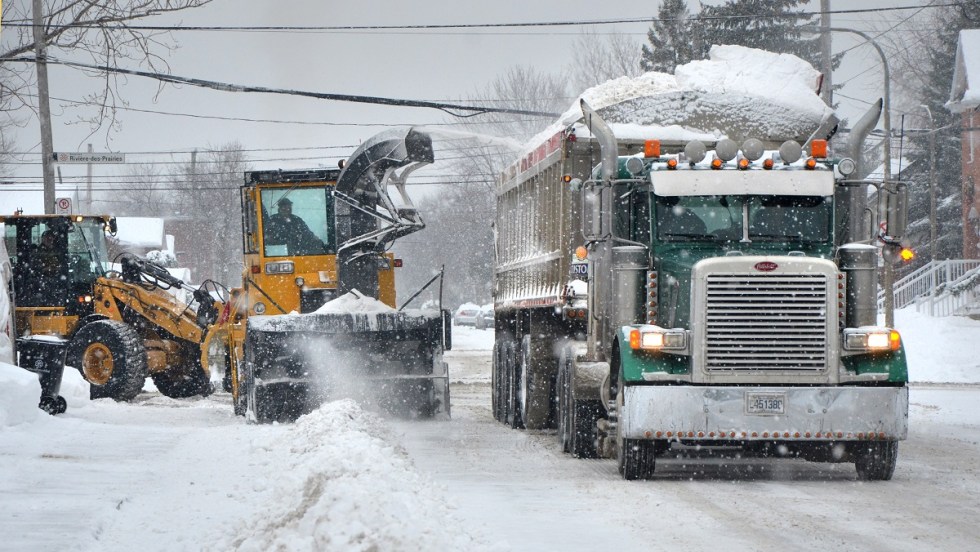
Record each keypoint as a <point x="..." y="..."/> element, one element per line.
<point x="62" y="206"/>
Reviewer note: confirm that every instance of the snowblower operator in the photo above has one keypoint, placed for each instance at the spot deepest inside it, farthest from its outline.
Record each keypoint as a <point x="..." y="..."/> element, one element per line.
<point x="286" y="228"/>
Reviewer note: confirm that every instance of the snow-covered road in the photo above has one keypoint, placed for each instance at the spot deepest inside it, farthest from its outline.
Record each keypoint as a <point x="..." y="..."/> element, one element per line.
<point x="163" y="474"/>
<point x="518" y="487"/>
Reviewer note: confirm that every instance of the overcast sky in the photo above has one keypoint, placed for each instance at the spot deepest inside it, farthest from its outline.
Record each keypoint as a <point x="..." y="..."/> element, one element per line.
<point x="440" y="65"/>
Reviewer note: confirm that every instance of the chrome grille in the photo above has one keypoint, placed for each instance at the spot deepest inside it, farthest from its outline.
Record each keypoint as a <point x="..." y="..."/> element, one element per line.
<point x="757" y="322"/>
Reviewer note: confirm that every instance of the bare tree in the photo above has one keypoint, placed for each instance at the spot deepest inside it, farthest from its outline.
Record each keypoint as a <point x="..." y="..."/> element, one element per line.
<point x="100" y="32"/>
<point x="525" y="88"/>
<point x="597" y="59"/>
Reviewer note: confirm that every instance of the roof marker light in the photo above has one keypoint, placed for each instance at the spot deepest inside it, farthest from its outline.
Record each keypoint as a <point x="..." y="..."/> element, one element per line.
<point x="716" y="163"/>
<point x="818" y="148"/>
<point x="651" y="148"/>
<point x="768" y="163"/>
<point x="811" y="163"/>
<point x="671" y="164"/>
<point x="743" y="163"/>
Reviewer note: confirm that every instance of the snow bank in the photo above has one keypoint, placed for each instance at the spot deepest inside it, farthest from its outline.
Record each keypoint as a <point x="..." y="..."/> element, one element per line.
<point x="341" y="485"/>
<point x="353" y="301"/>
<point x="20" y="392"/>
<point x="941" y="349"/>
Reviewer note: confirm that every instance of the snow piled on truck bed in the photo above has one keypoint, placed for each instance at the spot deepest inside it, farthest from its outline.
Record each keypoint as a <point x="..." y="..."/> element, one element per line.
<point x="737" y="92"/>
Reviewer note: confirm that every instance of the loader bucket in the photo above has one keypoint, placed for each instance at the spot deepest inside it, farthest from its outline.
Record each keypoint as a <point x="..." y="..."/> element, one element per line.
<point x="294" y="363"/>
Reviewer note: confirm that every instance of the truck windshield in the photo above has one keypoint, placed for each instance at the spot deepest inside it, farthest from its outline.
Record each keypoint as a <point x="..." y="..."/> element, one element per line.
<point x="723" y="218"/>
<point x="300" y="222"/>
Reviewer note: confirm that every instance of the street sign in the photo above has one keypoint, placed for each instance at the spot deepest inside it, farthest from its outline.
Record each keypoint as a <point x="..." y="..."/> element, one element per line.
<point x="62" y="206"/>
<point x="89" y="157"/>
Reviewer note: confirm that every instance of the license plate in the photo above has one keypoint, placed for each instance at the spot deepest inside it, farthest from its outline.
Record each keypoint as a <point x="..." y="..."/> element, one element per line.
<point x="765" y="403"/>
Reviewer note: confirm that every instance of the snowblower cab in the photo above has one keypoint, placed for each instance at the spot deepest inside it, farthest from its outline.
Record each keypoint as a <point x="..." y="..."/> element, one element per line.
<point x="320" y="317"/>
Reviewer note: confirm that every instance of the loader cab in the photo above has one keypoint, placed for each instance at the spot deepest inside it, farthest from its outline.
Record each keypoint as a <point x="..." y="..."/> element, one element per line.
<point x="55" y="260"/>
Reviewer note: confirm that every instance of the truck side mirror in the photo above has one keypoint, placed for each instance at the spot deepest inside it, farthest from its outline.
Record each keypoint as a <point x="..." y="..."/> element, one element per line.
<point x="591" y="204"/>
<point x="895" y="200"/>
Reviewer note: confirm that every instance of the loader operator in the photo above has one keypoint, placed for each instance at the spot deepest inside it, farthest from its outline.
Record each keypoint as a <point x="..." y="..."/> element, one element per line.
<point x="285" y="228"/>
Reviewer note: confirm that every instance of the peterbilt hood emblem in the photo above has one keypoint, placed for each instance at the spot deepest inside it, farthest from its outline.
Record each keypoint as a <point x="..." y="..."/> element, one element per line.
<point x="766" y="266"/>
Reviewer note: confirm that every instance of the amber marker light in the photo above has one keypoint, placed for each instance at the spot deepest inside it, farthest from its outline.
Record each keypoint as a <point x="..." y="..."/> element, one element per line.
<point x="651" y="148"/>
<point x="767" y="164"/>
<point x="743" y="163"/>
<point x="566" y="179"/>
<point x="894" y="340"/>
<point x="818" y="148"/>
<point x="671" y="164"/>
<point x="716" y="164"/>
<point x="811" y="163"/>
<point x="581" y="253"/>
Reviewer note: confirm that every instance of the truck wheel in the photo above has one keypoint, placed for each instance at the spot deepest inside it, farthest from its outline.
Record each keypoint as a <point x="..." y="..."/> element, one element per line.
<point x="512" y="415"/>
<point x="496" y="390"/>
<point x="111" y="357"/>
<point x="576" y="418"/>
<point x="636" y="458"/>
<point x="534" y="387"/>
<point x="875" y="461"/>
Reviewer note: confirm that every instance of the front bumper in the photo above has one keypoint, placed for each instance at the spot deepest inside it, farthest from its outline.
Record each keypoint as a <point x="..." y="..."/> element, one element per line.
<point x="723" y="413"/>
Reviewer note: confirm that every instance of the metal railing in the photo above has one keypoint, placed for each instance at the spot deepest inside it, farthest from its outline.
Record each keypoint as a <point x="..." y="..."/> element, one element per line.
<point x="935" y="288"/>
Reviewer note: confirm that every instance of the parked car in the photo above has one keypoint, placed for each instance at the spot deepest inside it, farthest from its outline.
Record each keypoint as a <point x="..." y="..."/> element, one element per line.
<point x="466" y="314"/>
<point x="484" y="319"/>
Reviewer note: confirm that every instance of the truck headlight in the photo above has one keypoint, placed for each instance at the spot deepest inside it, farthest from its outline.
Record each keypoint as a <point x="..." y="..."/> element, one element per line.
<point x="279" y="267"/>
<point x="655" y="338"/>
<point x="871" y="339"/>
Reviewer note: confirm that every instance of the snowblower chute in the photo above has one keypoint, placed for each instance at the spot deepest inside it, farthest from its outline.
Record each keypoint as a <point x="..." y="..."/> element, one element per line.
<point x="357" y="344"/>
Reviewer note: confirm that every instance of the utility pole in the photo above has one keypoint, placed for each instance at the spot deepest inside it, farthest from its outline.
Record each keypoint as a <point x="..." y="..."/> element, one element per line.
<point x="44" y="108"/>
<point x="932" y="185"/>
<point x="826" y="55"/>
<point x="88" y="187"/>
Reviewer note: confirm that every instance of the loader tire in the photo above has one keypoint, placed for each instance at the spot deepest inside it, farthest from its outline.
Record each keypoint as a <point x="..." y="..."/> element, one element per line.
<point x="534" y="386"/>
<point x="182" y="386"/>
<point x="111" y="357"/>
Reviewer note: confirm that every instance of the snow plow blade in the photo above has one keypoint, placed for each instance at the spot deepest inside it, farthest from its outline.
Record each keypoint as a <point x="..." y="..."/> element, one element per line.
<point x="294" y="363"/>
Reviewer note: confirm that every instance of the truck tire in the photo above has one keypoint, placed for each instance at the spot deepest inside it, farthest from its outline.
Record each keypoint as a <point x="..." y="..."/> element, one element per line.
<point x="496" y="389"/>
<point x="635" y="458"/>
<point x="111" y="357"/>
<point x="875" y="461"/>
<point x="534" y="386"/>
<point x="512" y="414"/>
<point x="576" y="417"/>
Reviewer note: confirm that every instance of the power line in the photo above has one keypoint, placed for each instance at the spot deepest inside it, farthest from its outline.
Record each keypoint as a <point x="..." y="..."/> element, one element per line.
<point x="227" y="87"/>
<point x="592" y="22"/>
